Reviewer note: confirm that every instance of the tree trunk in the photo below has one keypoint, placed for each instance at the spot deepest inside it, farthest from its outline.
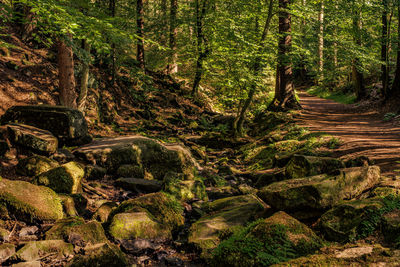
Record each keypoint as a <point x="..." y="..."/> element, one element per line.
<point x="396" y="83"/>
<point x="140" y="33"/>
<point x="112" y="9"/>
<point x="285" y="97"/>
<point x="66" y="74"/>
<point x="384" y="48"/>
<point x="321" y="41"/>
<point x="239" y="121"/>
<point x="173" y="31"/>
<point x="84" y="80"/>
<point x="335" y="43"/>
<point x="358" y="77"/>
<point x="202" y="44"/>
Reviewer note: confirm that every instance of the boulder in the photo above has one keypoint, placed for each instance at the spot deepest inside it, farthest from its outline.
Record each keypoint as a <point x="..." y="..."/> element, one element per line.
<point x="345" y="222"/>
<point x="104" y="211"/>
<point x="64" y="179"/>
<point x="266" y="242"/>
<point x="93" y="172"/>
<point x="184" y="190"/>
<point x="215" y="193"/>
<point x="163" y="213"/>
<point x="301" y="166"/>
<point x="309" y="197"/>
<point x="36" y="139"/>
<point x="27" y="264"/>
<point x="156" y="158"/>
<point x="222" y="215"/>
<point x="6" y="251"/>
<point x="35" y="165"/>
<point x="78" y="232"/>
<point x="100" y="255"/>
<point x="34" y="250"/>
<point x="4" y="235"/>
<point x="30" y="203"/>
<point x="68" y="125"/>
<point x="139" y="185"/>
<point x="135" y="171"/>
<point x="391" y="226"/>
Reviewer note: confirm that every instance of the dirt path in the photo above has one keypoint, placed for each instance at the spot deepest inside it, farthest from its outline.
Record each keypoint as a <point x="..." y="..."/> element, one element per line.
<point x="362" y="133"/>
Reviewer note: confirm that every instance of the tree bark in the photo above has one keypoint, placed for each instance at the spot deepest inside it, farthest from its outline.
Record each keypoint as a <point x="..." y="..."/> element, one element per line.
<point x="113" y="9"/>
<point x="384" y="48"/>
<point x="321" y="41"/>
<point x="66" y="74"/>
<point x="335" y="44"/>
<point x="173" y="32"/>
<point x="285" y="98"/>
<point x="396" y="83"/>
<point x="140" y="33"/>
<point x="84" y="80"/>
<point x="202" y="44"/>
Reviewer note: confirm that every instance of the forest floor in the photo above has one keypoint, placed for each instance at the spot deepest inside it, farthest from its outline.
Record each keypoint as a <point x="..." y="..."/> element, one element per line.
<point x="362" y="133"/>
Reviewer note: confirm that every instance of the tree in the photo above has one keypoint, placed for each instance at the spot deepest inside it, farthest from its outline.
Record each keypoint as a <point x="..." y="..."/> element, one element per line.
<point x="140" y="33"/>
<point x="66" y="74"/>
<point x="321" y="41"/>
<point x="357" y="75"/>
<point x="173" y="32"/>
<point x="285" y="97"/>
<point x="384" y="48"/>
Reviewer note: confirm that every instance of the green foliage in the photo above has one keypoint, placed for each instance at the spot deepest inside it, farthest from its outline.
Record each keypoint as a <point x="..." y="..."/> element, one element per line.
<point x="389" y="116"/>
<point x="336" y="96"/>
<point x="373" y="217"/>
<point x="334" y="143"/>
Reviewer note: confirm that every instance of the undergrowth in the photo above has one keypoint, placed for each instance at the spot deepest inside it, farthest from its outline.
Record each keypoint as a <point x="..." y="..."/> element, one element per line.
<point x="336" y="96"/>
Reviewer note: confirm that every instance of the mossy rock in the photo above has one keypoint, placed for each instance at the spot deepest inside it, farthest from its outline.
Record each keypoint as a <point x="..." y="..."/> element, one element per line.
<point x="215" y="193"/>
<point x="184" y="190"/>
<point x="391" y="227"/>
<point x="133" y="171"/>
<point x="310" y="197"/>
<point x="137" y="225"/>
<point x="30" y="203"/>
<point x="354" y="255"/>
<point x="222" y="215"/>
<point x="6" y="251"/>
<point x="93" y="172"/>
<point x="100" y="255"/>
<point x="304" y="166"/>
<point x="4" y="235"/>
<point x="27" y="264"/>
<point x="35" y="139"/>
<point x="104" y="211"/>
<point x="69" y="205"/>
<point x="343" y="222"/>
<point x="266" y="242"/>
<point x="35" y="165"/>
<point x="64" y="179"/>
<point x="34" y="250"/>
<point x="385" y="191"/>
<point x="161" y="208"/>
<point x="156" y="158"/>
<point x="76" y="230"/>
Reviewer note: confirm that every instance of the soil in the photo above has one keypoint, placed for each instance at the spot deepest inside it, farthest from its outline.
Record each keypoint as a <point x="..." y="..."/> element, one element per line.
<point x="363" y="133"/>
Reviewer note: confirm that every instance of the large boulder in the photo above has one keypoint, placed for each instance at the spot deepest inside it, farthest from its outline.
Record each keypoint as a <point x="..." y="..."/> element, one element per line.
<point x="184" y="190"/>
<point x="77" y="231"/>
<point x="155" y="158"/>
<point x="68" y="125"/>
<point x="38" y="140"/>
<point x="347" y="221"/>
<point x="309" y="197"/>
<point x="222" y="215"/>
<point x="160" y="212"/>
<point x="64" y="179"/>
<point x="6" y="251"/>
<point x="267" y="241"/>
<point x="34" y="250"/>
<point x="301" y="166"/>
<point x="28" y="202"/>
<point x="35" y="165"/>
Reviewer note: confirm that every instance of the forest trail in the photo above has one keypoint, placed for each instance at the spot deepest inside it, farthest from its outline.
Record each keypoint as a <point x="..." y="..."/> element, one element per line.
<point x="362" y="133"/>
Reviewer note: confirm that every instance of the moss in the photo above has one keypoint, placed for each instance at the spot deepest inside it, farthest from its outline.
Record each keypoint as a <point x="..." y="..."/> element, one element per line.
<point x="134" y="171"/>
<point x="101" y="255"/>
<point x="163" y="208"/>
<point x="266" y="242"/>
<point x="137" y="225"/>
<point x="34" y="250"/>
<point x="185" y="190"/>
<point x="35" y="165"/>
<point x="128" y="154"/>
<point x="303" y="166"/>
<point x="64" y="179"/>
<point x="104" y="211"/>
<point x="90" y="233"/>
<point x="29" y="202"/>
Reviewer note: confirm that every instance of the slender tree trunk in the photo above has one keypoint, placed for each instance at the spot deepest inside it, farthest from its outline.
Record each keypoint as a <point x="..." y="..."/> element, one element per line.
<point x="285" y="97"/>
<point x="84" y="79"/>
<point x="164" y="26"/>
<point x="173" y="32"/>
<point x="321" y="41"/>
<point x="140" y="33"/>
<point x="335" y="43"/>
<point x="202" y="44"/>
<point x="66" y="74"/>
<point x="396" y="83"/>
<point x="112" y="8"/>
<point x="358" y="77"/>
<point x="257" y="67"/>
<point x="384" y="48"/>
